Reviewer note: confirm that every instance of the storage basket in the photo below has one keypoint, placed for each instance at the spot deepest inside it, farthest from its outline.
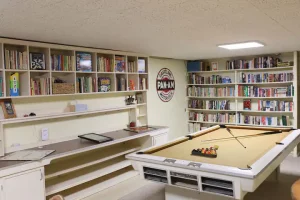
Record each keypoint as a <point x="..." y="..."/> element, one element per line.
<point x="63" y="88"/>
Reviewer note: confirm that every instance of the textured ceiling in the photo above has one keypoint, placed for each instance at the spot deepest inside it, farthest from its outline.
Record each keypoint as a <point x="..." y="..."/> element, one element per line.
<point x="184" y="29"/>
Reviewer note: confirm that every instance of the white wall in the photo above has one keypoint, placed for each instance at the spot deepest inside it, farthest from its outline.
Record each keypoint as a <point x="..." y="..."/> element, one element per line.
<point x="172" y="113"/>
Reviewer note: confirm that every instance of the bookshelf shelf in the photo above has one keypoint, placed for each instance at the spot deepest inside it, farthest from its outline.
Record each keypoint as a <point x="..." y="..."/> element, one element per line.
<point x="285" y="78"/>
<point x="63" y="115"/>
<point x="40" y="71"/>
<point x="266" y="112"/>
<point x="142" y="115"/>
<point x="105" y="72"/>
<point x="79" y="72"/>
<point x="196" y="97"/>
<point x="264" y="98"/>
<point x="141" y="104"/>
<point x="210" y="110"/>
<point x="264" y="125"/>
<point x="243" y="70"/>
<point x="211" y="122"/>
<point x="219" y="84"/>
<point x="272" y="84"/>
<point x="64" y="72"/>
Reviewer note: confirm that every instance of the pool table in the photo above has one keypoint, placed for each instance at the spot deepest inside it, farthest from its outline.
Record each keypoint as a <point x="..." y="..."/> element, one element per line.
<point x="245" y="157"/>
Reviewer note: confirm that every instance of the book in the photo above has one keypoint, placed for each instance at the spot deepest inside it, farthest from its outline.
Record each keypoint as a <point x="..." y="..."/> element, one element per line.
<point x="121" y="84"/>
<point x="83" y="62"/>
<point x="37" y="61"/>
<point x="141" y="65"/>
<point x="247" y="104"/>
<point x="14" y="84"/>
<point x="104" y="84"/>
<point x="120" y="64"/>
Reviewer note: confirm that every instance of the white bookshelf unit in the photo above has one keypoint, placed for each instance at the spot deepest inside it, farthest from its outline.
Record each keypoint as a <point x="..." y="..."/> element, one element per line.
<point x="220" y="114"/>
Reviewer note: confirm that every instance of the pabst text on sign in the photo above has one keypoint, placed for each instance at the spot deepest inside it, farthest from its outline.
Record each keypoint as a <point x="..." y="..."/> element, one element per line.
<point x="165" y="84"/>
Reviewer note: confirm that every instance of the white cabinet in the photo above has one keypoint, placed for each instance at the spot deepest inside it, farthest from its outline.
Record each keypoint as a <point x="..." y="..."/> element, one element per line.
<point x="160" y="139"/>
<point x="29" y="185"/>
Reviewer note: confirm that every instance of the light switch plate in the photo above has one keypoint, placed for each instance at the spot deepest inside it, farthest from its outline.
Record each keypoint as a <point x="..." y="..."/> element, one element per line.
<point x="45" y="134"/>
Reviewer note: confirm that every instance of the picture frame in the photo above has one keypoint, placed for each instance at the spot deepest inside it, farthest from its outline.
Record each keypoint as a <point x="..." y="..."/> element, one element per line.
<point x="139" y="98"/>
<point x="8" y="108"/>
<point x="214" y="66"/>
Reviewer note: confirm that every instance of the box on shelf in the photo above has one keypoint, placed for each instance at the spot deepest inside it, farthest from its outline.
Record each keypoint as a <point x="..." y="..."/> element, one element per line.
<point x="63" y="88"/>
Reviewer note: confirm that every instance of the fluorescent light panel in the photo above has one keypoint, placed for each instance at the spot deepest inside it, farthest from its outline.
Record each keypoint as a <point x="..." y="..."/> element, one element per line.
<point x="242" y="45"/>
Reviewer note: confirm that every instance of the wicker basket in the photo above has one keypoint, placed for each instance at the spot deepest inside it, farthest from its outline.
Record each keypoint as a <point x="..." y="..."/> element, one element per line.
<point x="63" y="88"/>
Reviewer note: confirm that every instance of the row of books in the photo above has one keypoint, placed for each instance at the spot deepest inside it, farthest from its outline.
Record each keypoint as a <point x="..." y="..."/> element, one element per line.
<point x="143" y="84"/>
<point x="40" y="86"/>
<point x="15" y="59"/>
<point x="263" y="120"/>
<point x="195" y="91"/>
<point x="275" y="105"/>
<point x="253" y="91"/>
<point x="266" y="77"/>
<point x="132" y="66"/>
<point x="194" y="127"/>
<point x="62" y="63"/>
<point x="260" y="62"/>
<point x="216" y="117"/>
<point x="85" y="84"/>
<point x="213" y="79"/>
<point x="105" y="64"/>
<point x="209" y="104"/>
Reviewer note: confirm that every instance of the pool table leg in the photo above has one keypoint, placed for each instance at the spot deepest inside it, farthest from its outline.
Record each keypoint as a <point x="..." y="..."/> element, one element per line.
<point x="274" y="175"/>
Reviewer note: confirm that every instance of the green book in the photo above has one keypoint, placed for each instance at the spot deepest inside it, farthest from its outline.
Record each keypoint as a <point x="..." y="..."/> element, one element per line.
<point x="66" y="63"/>
<point x="284" y="122"/>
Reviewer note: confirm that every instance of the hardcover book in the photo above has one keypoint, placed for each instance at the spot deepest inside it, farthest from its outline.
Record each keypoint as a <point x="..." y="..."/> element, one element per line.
<point x="247" y="104"/>
<point x="119" y="63"/>
<point x="141" y="65"/>
<point x="104" y="84"/>
<point x="83" y="62"/>
<point x="37" y="61"/>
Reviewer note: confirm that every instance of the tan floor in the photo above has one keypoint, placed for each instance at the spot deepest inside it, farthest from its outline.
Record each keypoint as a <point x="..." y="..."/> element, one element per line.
<point x="231" y="152"/>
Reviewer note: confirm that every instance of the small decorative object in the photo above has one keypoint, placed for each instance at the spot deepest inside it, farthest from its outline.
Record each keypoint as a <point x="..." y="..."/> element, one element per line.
<point x="8" y="108"/>
<point x="139" y="98"/>
<point x="214" y="66"/>
<point x="37" y="61"/>
<point x="131" y="85"/>
<point x="132" y="124"/>
<point x="32" y="114"/>
<point x="129" y="100"/>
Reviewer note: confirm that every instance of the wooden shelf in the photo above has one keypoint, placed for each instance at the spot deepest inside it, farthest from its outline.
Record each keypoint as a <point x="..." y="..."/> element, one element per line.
<point x="210" y="110"/>
<point x="142" y="115"/>
<point x="211" y="122"/>
<point x="63" y="71"/>
<point x="81" y="72"/>
<point x="217" y="84"/>
<point x="240" y="70"/>
<point x="264" y="125"/>
<point x="70" y="180"/>
<point x="88" y="159"/>
<point x="105" y="72"/>
<point x="40" y="71"/>
<point x="62" y="115"/>
<point x="267" y="69"/>
<point x="268" y="83"/>
<point x="141" y="104"/>
<point x="211" y="97"/>
<point x="264" y="97"/>
<point x="266" y="112"/>
<point x="100" y="184"/>
<point x="16" y="70"/>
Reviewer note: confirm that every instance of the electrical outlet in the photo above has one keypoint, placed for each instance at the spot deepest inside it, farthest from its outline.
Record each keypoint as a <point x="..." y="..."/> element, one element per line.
<point x="45" y="134"/>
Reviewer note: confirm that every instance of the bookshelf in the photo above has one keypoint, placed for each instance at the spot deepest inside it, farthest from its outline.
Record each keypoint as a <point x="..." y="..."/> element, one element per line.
<point x="60" y="63"/>
<point x="207" y="89"/>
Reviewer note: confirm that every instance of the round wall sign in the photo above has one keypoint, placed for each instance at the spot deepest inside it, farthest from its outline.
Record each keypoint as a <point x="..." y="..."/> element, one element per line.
<point x="165" y="84"/>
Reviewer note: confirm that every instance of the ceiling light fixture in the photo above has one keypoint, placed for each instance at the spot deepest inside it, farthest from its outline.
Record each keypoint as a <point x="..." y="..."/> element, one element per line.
<point x="242" y="45"/>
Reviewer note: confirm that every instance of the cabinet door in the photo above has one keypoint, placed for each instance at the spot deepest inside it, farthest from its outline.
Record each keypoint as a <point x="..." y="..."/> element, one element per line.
<point x="28" y="185"/>
<point x="159" y="139"/>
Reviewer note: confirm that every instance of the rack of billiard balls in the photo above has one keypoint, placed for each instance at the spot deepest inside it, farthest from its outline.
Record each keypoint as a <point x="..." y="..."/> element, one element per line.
<point x="206" y="152"/>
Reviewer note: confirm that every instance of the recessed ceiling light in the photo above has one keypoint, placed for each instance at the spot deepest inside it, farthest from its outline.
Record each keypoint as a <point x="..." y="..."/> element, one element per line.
<point x="242" y="45"/>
